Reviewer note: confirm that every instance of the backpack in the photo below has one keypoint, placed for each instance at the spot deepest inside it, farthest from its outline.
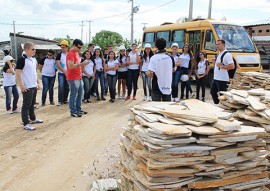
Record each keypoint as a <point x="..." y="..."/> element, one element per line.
<point x="231" y="72"/>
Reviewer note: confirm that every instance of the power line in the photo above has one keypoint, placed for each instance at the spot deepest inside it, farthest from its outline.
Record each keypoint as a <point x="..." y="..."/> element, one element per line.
<point x="156" y="7"/>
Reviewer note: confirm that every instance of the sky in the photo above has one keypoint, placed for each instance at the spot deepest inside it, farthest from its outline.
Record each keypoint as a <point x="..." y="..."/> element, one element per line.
<point x="58" y="18"/>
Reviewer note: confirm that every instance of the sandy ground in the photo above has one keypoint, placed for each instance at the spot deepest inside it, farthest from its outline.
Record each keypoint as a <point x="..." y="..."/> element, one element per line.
<point x="63" y="153"/>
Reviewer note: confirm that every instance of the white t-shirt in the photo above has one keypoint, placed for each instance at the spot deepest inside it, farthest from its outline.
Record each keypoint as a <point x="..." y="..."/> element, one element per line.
<point x="111" y="64"/>
<point x="202" y="65"/>
<point x="176" y="58"/>
<point x="48" y="68"/>
<point x="98" y="62"/>
<point x="9" y="79"/>
<point x="161" y="64"/>
<point x="89" y="68"/>
<point x="145" y="64"/>
<point x="132" y="58"/>
<point x="185" y="60"/>
<point x="124" y="61"/>
<point x="62" y="61"/>
<point x="219" y="73"/>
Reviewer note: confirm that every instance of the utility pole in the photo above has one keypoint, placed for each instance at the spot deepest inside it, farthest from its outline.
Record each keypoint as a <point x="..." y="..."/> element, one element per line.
<point x="89" y="22"/>
<point x="82" y="31"/>
<point x="190" y="10"/>
<point x="210" y="9"/>
<point x="144" y="25"/>
<point x="15" y="41"/>
<point x="131" y="20"/>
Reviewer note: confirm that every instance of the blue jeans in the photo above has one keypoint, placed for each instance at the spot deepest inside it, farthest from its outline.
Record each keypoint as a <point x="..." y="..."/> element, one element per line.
<point x="48" y="84"/>
<point x="106" y="85"/>
<point x="112" y="84"/>
<point x="146" y="82"/>
<point x="175" y="82"/>
<point x="75" y="97"/>
<point x="9" y="91"/>
<point x="100" y="76"/>
<point x="87" y="85"/>
<point x="63" y="88"/>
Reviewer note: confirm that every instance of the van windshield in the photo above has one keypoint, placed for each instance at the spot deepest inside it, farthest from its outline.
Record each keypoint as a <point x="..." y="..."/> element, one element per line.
<point x="236" y="38"/>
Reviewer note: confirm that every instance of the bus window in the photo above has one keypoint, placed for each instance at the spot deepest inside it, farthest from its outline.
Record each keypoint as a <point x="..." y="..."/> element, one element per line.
<point x="166" y="36"/>
<point x="178" y="37"/>
<point x="210" y="43"/>
<point x="149" y="38"/>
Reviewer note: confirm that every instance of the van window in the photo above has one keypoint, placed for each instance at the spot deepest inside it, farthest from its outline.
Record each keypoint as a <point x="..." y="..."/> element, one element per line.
<point x="149" y="38"/>
<point x="212" y="44"/>
<point x="178" y="37"/>
<point x="166" y="36"/>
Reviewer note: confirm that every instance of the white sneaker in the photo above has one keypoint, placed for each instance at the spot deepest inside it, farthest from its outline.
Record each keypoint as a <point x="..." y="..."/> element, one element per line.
<point x="192" y="95"/>
<point x="173" y="99"/>
<point x="176" y="99"/>
<point x="144" y="98"/>
<point x="119" y="97"/>
<point x="123" y="96"/>
<point x="149" y="98"/>
<point x="29" y="127"/>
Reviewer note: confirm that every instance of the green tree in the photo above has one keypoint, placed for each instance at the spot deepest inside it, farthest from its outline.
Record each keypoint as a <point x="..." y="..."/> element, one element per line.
<point x="67" y="39"/>
<point x="105" y="38"/>
<point x="127" y="43"/>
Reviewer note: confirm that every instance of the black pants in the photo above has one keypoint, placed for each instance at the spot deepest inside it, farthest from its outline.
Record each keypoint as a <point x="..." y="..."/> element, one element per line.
<point x="201" y="83"/>
<point x="132" y="81"/>
<point x="158" y="96"/>
<point x="216" y="87"/>
<point x="29" y="98"/>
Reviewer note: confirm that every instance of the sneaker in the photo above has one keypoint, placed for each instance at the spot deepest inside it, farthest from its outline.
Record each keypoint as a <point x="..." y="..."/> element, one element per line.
<point x="52" y="103"/>
<point x="176" y="99"/>
<point x="149" y="98"/>
<point x="43" y="104"/>
<point x="119" y="97"/>
<point x="127" y="98"/>
<point x="203" y="99"/>
<point x="83" y="112"/>
<point x="16" y="111"/>
<point x="173" y="99"/>
<point x="75" y="115"/>
<point x="35" y="107"/>
<point x="36" y="121"/>
<point x="123" y="96"/>
<point x="134" y="97"/>
<point x="29" y="127"/>
<point x="65" y="102"/>
<point x="103" y="98"/>
<point x="88" y="101"/>
<point x="98" y="98"/>
<point x="192" y="95"/>
<point x="144" y="98"/>
<point x="84" y="101"/>
<point x="59" y="104"/>
<point x="9" y="111"/>
<point x="94" y="94"/>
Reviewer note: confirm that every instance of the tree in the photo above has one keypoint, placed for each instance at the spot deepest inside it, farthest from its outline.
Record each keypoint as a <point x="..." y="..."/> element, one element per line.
<point x="67" y="39"/>
<point x="105" y="38"/>
<point x="182" y="20"/>
<point x="127" y="43"/>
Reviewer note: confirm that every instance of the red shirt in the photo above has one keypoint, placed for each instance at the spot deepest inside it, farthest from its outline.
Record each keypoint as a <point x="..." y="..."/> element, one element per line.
<point x="76" y="73"/>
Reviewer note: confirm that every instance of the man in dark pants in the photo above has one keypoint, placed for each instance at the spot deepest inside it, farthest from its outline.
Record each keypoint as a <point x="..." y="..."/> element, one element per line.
<point x="221" y="76"/>
<point x="26" y="75"/>
<point x="160" y="68"/>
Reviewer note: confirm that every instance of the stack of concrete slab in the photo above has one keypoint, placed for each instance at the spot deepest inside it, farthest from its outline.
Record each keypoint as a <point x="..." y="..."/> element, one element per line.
<point x="250" y="80"/>
<point x="191" y="146"/>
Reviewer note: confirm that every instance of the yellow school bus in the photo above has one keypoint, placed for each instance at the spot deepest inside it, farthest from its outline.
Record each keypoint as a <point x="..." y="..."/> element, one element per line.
<point x="202" y="34"/>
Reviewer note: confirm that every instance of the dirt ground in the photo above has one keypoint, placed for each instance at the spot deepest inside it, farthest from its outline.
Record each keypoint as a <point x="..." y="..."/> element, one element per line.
<point x="63" y="153"/>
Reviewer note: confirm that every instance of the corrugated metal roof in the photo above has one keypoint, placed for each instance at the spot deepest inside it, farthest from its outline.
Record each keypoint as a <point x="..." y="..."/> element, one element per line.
<point x="256" y="23"/>
<point x="46" y="46"/>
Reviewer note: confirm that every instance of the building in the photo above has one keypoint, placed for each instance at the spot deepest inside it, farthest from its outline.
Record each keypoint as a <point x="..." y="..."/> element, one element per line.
<point x="4" y="45"/>
<point x="42" y="45"/>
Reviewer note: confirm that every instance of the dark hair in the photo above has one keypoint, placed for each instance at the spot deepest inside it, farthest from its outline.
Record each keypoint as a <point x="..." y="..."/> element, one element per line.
<point x="222" y="41"/>
<point x="91" y="56"/>
<point x="110" y="45"/>
<point x="189" y="51"/>
<point x="134" y="44"/>
<point x="91" y="44"/>
<point x="6" y="52"/>
<point x="77" y="42"/>
<point x="101" y="55"/>
<point x="109" y="55"/>
<point x="121" y="57"/>
<point x="128" y="50"/>
<point x="51" y="51"/>
<point x="160" y="43"/>
<point x="144" y="57"/>
<point x="198" y="59"/>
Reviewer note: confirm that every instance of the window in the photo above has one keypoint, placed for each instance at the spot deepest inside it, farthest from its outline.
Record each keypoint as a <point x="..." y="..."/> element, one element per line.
<point x="211" y="45"/>
<point x="178" y="37"/>
<point x="260" y="31"/>
<point x="166" y="36"/>
<point x="267" y="30"/>
<point x="253" y="31"/>
<point x="149" y="38"/>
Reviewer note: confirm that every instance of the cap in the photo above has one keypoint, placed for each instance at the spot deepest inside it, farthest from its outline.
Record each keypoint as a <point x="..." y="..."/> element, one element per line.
<point x="64" y="42"/>
<point x="97" y="47"/>
<point x="7" y="58"/>
<point x="122" y="47"/>
<point x="147" y="45"/>
<point x="175" y="45"/>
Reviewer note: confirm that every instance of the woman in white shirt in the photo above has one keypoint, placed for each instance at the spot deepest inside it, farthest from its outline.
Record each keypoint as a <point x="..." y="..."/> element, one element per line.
<point x="89" y="72"/>
<point x="111" y="67"/>
<point x="47" y="68"/>
<point x="147" y="54"/>
<point x="201" y="71"/>
<point x="10" y="86"/>
<point x="122" y="72"/>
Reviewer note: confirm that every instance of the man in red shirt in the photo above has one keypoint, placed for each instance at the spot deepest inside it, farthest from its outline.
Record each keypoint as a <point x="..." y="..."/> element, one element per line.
<point x="74" y="78"/>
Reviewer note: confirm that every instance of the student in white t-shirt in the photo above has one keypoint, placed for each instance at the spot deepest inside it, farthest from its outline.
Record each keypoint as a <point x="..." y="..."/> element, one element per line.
<point x="89" y="72"/>
<point x="147" y="54"/>
<point x="202" y="68"/>
<point x="122" y="72"/>
<point x="47" y="68"/>
<point x="111" y="67"/>
<point x="221" y="76"/>
<point x="160" y="69"/>
<point x="10" y="86"/>
<point x="177" y="72"/>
